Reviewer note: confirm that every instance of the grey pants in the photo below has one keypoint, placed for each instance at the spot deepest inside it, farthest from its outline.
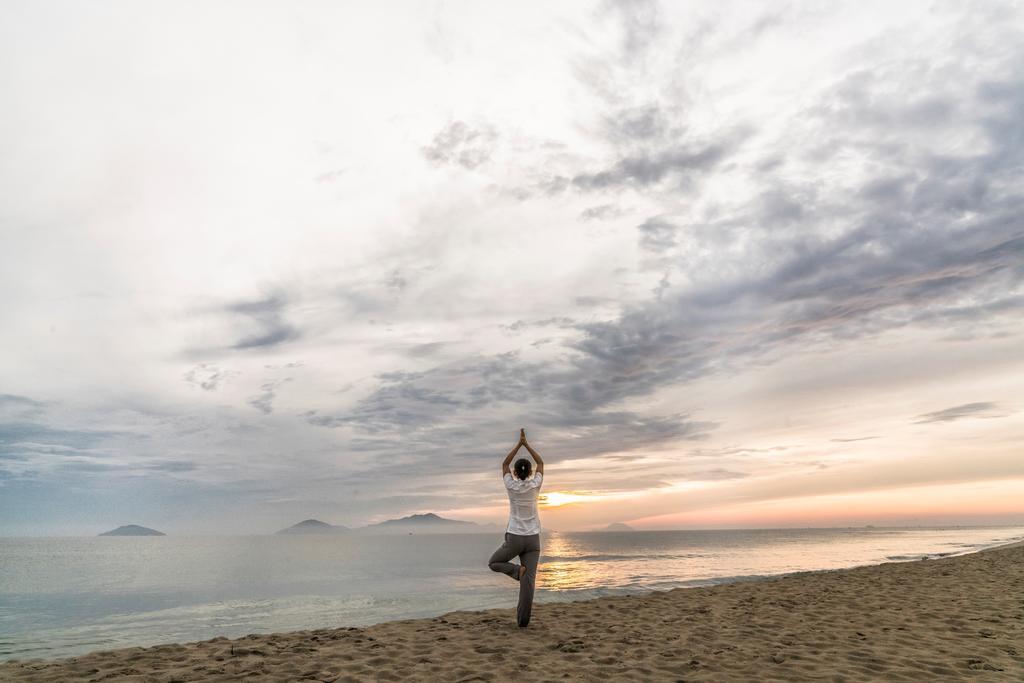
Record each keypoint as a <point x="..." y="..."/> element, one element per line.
<point x="528" y="550"/>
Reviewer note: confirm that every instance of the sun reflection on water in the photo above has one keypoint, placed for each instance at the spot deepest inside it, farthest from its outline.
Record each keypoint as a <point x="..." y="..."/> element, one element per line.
<point x="575" y="562"/>
<point x="567" y="573"/>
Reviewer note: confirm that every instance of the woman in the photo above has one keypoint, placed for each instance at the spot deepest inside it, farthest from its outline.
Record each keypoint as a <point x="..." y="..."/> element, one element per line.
<point x="522" y="535"/>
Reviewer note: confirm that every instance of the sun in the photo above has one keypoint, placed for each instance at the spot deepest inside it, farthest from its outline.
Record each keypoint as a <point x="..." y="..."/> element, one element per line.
<point x="559" y="498"/>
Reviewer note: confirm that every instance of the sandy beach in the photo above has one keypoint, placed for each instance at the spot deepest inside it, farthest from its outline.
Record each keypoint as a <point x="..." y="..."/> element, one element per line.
<point x="951" y="618"/>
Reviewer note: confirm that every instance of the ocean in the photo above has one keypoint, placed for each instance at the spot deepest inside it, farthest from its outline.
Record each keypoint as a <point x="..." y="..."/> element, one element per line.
<point x="66" y="596"/>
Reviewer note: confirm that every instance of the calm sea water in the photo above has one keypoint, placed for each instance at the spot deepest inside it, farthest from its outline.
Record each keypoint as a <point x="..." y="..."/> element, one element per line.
<point x="66" y="596"/>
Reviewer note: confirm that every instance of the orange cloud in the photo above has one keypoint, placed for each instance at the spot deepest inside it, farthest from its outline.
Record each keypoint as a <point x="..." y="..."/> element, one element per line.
<point x="987" y="502"/>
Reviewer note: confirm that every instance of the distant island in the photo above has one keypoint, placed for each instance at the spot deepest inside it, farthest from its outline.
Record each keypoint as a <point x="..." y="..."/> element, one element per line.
<point x="428" y="523"/>
<point x="133" y="530"/>
<point x="619" y="526"/>
<point x="314" y="526"/>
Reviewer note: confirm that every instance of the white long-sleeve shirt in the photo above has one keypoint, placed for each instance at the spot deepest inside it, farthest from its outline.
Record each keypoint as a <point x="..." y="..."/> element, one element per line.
<point x="523" y="518"/>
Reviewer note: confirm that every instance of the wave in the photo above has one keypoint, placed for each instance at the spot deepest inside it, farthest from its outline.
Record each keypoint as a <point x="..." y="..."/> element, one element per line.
<point x="964" y="549"/>
<point x="921" y="556"/>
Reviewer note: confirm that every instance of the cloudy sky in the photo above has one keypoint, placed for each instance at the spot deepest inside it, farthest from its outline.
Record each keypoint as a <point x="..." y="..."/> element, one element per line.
<point x="729" y="264"/>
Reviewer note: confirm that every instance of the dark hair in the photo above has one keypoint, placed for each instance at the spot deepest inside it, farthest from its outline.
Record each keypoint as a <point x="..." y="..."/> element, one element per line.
<point x="523" y="468"/>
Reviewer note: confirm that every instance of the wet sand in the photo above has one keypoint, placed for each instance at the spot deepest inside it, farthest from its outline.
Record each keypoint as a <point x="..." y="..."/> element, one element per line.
<point x="951" y="618"/>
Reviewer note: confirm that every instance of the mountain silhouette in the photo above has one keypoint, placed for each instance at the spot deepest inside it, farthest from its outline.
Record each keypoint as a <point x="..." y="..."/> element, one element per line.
<point x="133" y="530"/>
<point x="420" y="523"/>
<point x="314" y="526"/>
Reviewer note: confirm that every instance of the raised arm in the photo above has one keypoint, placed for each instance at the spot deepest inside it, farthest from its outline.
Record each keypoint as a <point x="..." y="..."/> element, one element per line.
<point x="512" y="453"/>
<point x="535" y="454"/>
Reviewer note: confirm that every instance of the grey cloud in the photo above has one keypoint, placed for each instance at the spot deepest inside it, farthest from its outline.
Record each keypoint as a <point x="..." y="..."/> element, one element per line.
<point x="44" y="448"/>
<point x="29" y="449"/>
<point x="590" y="301"/>
<point x="414" y="456"/>
<point x="396" y="281"/>
<point x="428" y="408"/>
<point x="657" y="234"/>
<point x="643" y="155"/>
<point x="663" y="285"/>
<point x="426" y="349"/>
<point x="981" y="409"/>
<point x="899" y="252"/>
<point x="400" y="403"/>
<point x="421" y="350"/>
<point x="640" y="169"/>
<point x="13" y="406"/>
<point x="766" y="22"/>
<point x="641" y="123"/>
<point x="602" y="212"/>
<point x="769" y="164"/>
<point x="887" y="190"/>
<point x="548" y="186"/>
<point x="265" y="322"/>
<point x="14" y="433"/>
<point x="13" y="399"/>
<point x="462" y="145"/>
<point x="85" y="466"/>
<point x="207" y="376"/>
<point x="857" y="100"/>
<point x="728" y="451"/>
<point x="332" y="421"/>
<point x="172" y="466"/>
<point x="974" y="313"/>
<point x="647" y="127"/>
<point x="779" y="208"/>
<point x="608" y="431"/>
<point x="613" y="480"/>
<point x="264" y="401"/>
<point x="556" y="321"/>
<point x="79" y="465"/>
<point x="821" y="291"/>
<point x="857" y="438"/>
<point x="641" y="23"/>
<point x="372" y="299"/>
<point x="651" y="144"/>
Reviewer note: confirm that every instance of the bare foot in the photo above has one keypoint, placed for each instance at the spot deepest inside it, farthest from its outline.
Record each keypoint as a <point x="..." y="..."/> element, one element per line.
<point x="522" y="570"/>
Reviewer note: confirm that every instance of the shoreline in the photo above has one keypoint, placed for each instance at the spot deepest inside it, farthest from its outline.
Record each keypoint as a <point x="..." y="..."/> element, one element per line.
<point x="950" y="617"/>
<point x="45" y="650"/>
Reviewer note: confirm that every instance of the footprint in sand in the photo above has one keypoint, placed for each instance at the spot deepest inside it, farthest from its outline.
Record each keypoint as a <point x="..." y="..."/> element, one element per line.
<point x="979" y="664"/>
